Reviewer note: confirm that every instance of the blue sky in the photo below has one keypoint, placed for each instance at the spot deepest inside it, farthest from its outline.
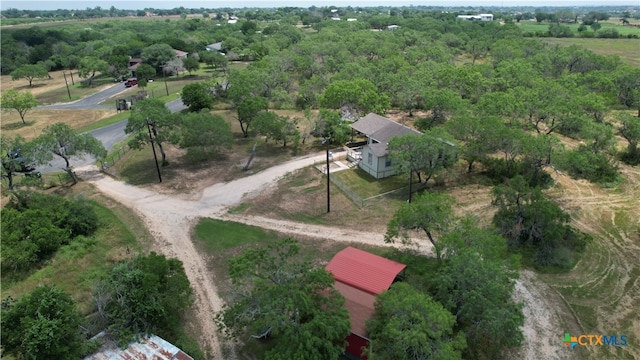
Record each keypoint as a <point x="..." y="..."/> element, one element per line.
<point x="163" y="4"/>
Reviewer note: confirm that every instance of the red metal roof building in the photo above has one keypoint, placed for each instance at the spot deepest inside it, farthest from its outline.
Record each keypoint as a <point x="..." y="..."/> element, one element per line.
<point x="360" y="276"/>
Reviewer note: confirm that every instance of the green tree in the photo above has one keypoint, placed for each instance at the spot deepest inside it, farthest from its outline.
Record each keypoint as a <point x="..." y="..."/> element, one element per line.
<point x="43" y="324"/>
<point x="430" y="212"/>
<point x="630" y="130"/>
<point x="411" y="325"/>
<point x="158" y="55"/>
<point x="144" y="73"/>
<point x="248" y="110"/>
<point x="89" y="66"/>
<point x="117" y="65"/>
<point x="204" y="134"/>
<point x="149" y="294"/>
<point x="30" y="72"/>
<point x="196" y="96"/>
<point x="442" y="103"/>
<point x="331" y="127"/>
<point x="214" y="59"/>
<point x="477" y="136"/>
<point x="153" y="114"/>
<point x="359" y="97"/>
<point x="287" y="299"/>
<point x="190" y="64"/>
<point x="35" y="225"/>
<point x="61" y="140"/>
<point x="21" y="102"/>
<point x="535" y="225"/>
<point x="278" y="128"/>
<point x="476" y="283"/>
<point x="16" y="156"/>
<point x="427" y="154"/>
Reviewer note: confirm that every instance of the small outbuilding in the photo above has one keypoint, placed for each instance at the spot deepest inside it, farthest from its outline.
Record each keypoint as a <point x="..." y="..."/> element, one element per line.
<point x="360" y="276"/>
<point x="148" y="347"/>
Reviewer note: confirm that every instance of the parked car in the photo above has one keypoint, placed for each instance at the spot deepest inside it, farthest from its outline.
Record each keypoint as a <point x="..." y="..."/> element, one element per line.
<point x="131" y="82"/>
<point x="22" y="165"/>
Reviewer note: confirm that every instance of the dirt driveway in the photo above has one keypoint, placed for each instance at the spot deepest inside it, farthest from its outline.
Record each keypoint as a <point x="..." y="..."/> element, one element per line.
<point x="170" y="219"/>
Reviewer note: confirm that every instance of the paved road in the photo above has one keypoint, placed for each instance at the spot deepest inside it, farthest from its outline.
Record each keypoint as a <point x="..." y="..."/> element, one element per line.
<point x="92" y="101"/>
<point x="108" y="135"/>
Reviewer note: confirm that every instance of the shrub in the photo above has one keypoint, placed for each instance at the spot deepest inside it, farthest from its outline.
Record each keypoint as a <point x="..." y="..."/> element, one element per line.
<point x="584" y="164"/>
<point x="43" y="324"/>
<point x="35" y="225"/>
<point x="609" y="33"/>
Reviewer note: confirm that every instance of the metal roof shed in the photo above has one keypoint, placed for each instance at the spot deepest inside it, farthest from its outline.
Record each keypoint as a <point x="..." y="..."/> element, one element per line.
<point x="360" y="276"/>
<point x="365" y="271"/>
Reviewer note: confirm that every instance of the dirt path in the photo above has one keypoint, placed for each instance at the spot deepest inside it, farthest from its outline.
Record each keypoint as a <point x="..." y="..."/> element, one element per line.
<point x="171" y="217"/>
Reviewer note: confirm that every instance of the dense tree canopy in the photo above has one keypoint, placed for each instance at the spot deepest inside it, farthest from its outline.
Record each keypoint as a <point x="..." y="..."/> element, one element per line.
<point x="43" y="324"/>
<point x="476" y="283"/>
<point x="158" y="55"/>
<point x="204" y="135"/>
<point x="358" y="97"/>
<point x="287" y="300"/>
<point x="35" y="225"/>
<point x="535" y="225"/>
<point x="411" y="325"/>
<point x="147" y="295"/>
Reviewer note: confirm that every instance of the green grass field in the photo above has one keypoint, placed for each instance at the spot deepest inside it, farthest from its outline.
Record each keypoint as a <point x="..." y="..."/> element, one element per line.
<point x="218" y="235"/>
<point x="627" y="49"/>
<point x="365" y="185"/>
<point x="534" y="27"/>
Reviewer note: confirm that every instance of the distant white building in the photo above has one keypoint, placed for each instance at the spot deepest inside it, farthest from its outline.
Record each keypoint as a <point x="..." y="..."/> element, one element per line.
<point x="481" y="17"/>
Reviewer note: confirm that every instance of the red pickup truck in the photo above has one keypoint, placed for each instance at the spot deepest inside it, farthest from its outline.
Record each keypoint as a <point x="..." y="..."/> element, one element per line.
<point x="131" y="82"/>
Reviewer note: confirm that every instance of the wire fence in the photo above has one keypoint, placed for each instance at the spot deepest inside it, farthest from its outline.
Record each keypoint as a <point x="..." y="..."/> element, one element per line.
<point x="113" y="158"/>
<point x="359" y="201"/>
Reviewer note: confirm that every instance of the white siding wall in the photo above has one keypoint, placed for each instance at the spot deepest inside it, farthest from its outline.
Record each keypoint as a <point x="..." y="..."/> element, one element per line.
<point x="377" y="166"/>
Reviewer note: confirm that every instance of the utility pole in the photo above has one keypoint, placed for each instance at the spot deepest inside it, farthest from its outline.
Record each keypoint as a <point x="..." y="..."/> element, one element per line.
<point x="164" y="76"/>
<point x="155" y="157"/>
<point x="327" y="140"/>
<point x="66" y="83"/>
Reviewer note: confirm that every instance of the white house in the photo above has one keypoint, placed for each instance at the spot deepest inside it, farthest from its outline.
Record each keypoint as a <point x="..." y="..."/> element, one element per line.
<point x="481" y="17"/>
<point x="374" y="155"/>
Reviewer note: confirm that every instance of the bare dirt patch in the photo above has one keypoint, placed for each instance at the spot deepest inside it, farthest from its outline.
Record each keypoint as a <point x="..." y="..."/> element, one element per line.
<point x="38" y="119"/>
<point x="39" y="86"/>
<point x="603" y="289"/>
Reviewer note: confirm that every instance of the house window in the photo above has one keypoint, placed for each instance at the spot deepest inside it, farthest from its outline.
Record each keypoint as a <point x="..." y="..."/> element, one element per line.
<point x="370" y="158"/>
<point x="387" y="162"/>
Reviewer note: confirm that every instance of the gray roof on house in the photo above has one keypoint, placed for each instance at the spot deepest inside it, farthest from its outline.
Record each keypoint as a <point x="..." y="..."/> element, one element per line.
<point x="215" y="46"/>
<point x="370" y="123"/>
<point x="391" y="130"/>
<point x="379" y="149"/>
<point x="381" y="129"/>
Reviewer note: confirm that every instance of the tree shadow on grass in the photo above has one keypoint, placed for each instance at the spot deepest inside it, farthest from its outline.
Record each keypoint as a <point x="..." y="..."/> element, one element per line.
<point x="15" y="125"/>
